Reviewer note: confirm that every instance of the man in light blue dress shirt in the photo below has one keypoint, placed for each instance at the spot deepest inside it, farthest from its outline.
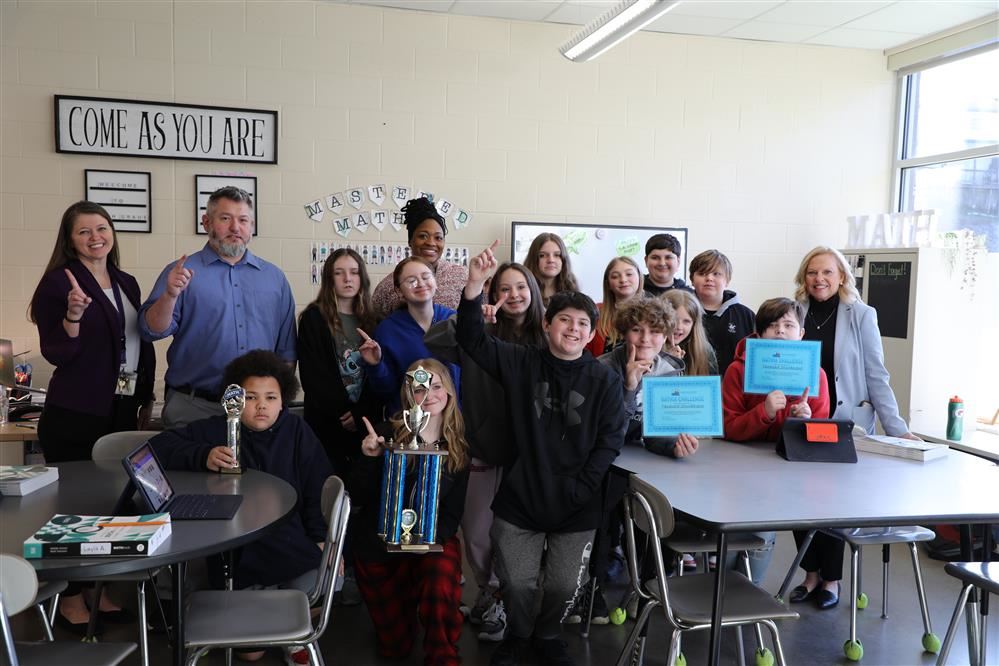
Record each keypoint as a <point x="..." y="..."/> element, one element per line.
<point x="218" y="303"/>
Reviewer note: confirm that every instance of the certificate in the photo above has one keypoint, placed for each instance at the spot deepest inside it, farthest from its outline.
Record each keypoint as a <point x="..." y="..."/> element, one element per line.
<point x="782" y="365"/>
<point x="673" y="405"/>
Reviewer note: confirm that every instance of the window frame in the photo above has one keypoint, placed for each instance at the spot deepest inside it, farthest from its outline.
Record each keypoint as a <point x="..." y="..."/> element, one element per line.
<point x="903" y="100"/>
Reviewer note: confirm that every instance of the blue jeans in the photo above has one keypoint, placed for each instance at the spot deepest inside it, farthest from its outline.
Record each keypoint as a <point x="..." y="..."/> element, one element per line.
<point x="759" y="560"/>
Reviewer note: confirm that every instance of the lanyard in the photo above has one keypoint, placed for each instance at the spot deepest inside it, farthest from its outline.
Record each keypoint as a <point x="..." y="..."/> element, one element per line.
<point x="121" y="317"/>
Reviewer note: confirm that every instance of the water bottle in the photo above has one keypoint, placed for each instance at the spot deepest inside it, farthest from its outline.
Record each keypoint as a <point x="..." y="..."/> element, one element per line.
<point x="955" y="419"/>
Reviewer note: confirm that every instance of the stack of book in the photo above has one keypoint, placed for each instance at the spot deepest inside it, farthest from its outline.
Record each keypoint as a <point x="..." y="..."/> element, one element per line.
<point x="24" y="479"/>
<point x="900" y="447"/>
<point x="87" y="536"/>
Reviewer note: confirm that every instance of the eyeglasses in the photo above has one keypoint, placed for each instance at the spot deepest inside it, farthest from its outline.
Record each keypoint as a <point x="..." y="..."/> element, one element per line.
<point x="413" y="282"/>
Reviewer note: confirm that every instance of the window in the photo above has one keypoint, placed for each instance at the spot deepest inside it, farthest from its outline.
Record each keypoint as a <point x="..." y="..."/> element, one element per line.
<point x="948" y="157"/>
<point x="947" y="160"/>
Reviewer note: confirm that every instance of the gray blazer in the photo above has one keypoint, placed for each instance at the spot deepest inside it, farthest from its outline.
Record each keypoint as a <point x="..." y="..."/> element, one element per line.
<point x="862" y="387"/>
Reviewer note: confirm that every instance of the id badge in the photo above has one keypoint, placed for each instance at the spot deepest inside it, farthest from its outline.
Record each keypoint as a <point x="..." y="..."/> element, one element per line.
<point x="126" y="382"/>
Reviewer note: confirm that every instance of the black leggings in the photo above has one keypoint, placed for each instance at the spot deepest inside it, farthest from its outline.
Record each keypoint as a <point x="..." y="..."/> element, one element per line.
<point x="825" y="555"/>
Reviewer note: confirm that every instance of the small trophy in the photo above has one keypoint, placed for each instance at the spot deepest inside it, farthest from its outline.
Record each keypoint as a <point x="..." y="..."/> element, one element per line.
<point x="412" y="528"/>
<point x="233" y="402"/>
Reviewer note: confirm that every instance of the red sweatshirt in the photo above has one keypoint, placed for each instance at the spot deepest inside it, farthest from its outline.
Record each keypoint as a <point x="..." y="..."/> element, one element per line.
<point x="745" y="417"/>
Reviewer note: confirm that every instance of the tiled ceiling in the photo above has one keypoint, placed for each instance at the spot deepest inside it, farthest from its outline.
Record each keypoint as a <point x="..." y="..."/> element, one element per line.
<point x="864" y="24"/>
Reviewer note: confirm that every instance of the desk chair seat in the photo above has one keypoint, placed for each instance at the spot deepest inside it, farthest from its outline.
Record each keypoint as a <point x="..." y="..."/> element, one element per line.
<point x="18" y="590"/>
<point x="258" y="619"/>
<point x="985" y="577"/>
<point x="858" y="537"/>
<point x="686" y="601"/>
<point x="49" y="590"/>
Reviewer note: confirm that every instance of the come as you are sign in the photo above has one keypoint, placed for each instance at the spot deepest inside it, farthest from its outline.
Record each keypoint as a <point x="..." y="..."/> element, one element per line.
<point x="160" y="129"/>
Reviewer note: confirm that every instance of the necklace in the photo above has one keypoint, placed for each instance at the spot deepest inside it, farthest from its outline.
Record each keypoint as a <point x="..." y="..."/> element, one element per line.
<point x="819" y="326"/>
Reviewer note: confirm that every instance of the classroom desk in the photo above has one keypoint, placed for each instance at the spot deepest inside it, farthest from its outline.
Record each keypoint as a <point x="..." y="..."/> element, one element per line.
<point x="13" y="435"/>
<point x="728" y="487"/>
<point x="91" y="488"/>
<point x="978" y="443"/>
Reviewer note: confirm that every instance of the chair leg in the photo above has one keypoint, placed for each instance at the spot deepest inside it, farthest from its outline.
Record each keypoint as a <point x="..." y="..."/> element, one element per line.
<point x="636" y="633"/>
<point x="140" y="594"/>
<point x="740" y="648"/>
<point x="589" y="608"/>
<point x="674" y="648"/>
<point x="53" y="608"/>
<point x="962" y="599"/>
<point x="315" y="654"/>
<point x="794" y="565"/>
<point x="885" y="558"/>
<point x="45" y="620"/>
<point x="775" y="635"/>
<point x="853" y="649"/>
<point x="974" y="630"/>
<point x="931" y="642"/>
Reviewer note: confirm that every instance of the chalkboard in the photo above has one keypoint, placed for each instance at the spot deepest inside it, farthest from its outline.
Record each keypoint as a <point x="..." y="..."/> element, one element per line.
<point x="888" y="293"/>
<point x="592" y="246"/>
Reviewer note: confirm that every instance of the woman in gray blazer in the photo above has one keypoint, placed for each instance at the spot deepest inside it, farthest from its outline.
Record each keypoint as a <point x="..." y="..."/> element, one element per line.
<point x="853" y="359"/>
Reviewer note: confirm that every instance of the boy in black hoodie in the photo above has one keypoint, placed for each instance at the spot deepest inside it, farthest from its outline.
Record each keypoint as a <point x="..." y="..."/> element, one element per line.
<point x="568" y="423"/>
<point x="726" y="320"/>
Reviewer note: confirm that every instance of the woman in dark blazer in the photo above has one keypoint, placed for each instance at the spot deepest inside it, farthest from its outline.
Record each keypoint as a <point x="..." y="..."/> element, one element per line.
<point x="86" y="309"/>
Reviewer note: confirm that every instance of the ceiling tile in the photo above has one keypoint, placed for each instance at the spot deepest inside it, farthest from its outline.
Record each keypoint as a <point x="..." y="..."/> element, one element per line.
<point x="828" y="14"/>
<point x="518" y="10"/>
<point x="773" y="32"/>
<point x="724" y="8"/>
<point x="581" y="12"/>
<point x="422" y="5"/>
<point x="862" y="39"/>
<point x="692" y="25"/>
<point x="916" y="16"/>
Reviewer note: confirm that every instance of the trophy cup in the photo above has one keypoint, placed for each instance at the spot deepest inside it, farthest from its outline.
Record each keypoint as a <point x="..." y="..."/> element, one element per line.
<point x="411" y="528"/>
<point x="233" y="402"/>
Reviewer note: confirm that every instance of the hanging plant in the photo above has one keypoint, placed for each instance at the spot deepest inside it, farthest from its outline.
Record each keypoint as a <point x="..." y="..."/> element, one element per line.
<point x="962" y="249"/>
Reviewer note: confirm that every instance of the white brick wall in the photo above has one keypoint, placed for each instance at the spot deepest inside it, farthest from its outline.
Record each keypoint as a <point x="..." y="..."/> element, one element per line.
<point x="760" y="149"/>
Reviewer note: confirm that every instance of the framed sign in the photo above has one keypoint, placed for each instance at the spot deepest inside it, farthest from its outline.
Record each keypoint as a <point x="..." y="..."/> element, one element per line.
<point x="126" y="195"/>
<point x="205" y="185"/>
<point x="126" y="127"/>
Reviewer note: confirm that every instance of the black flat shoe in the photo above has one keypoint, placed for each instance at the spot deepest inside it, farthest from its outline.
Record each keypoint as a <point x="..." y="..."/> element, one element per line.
<point x="802" y="593"/>
<point x="77" y="628"/>
<point x="826" y="599"/>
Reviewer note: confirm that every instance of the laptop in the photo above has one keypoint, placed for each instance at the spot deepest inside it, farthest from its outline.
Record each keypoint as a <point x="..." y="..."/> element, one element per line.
<point x="149" y="477"/>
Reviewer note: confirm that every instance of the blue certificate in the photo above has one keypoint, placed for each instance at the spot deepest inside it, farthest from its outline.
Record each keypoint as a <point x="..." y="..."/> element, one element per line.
<point x="782" y="365"/>
<point x="673" y="405"/>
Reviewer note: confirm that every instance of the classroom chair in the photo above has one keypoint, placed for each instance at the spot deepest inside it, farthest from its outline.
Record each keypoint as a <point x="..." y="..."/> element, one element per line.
<point x="985" y="577"/>
<point x="258" y="619"/>
<point x="686" y="601"/>
<point x="18" y="590"/>
<point x="112" y="448"/>
<point x="857" y="537"/>
<point x="48" y="591"/>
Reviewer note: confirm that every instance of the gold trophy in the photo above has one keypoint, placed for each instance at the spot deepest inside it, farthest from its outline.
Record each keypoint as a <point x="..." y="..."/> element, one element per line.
<point x="413" y="528"/>
<point x="233" y="402"/>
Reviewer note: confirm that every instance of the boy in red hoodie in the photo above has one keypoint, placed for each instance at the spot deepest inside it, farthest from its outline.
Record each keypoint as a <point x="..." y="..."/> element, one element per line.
<point x="750" y="416"/>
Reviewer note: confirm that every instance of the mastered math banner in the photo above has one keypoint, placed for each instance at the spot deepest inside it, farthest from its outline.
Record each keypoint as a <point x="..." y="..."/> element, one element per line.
<point x="674" y="405"/>
<point x="782" y="365"/>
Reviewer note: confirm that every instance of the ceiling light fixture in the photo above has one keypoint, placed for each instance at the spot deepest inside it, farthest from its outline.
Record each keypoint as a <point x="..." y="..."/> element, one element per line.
<point x="616" y="25"/>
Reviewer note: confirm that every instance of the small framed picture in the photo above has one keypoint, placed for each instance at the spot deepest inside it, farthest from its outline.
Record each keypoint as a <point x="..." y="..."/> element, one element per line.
<point x="126" y="195"/>
<point x="205" y="185"/>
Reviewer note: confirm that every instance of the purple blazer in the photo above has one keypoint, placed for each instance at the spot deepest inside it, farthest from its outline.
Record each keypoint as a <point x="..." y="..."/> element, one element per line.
<point x="86" y="367"/>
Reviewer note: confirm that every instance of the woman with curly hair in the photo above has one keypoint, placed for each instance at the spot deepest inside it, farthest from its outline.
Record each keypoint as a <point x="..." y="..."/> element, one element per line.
<point x="426" y="230"/>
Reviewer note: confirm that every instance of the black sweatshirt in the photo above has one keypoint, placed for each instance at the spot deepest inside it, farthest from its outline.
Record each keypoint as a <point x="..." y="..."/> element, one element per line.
<point x="568" y="425"/>
<point x="288" y="450"/>
<point x="726" y="326"/>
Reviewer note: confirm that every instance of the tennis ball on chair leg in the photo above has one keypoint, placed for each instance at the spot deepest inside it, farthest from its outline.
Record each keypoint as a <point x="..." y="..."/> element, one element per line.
<point x="764" y="657"/>
<point x="862" y="601"/>
<point x="618" y="616"/>
<point x="681" y="660"/>
<point x="854" y="650"/>
<point x="931" y="643"/>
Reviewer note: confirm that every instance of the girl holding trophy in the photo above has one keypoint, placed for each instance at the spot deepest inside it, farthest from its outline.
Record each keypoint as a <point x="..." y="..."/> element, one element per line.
<point x="422" y="581"/>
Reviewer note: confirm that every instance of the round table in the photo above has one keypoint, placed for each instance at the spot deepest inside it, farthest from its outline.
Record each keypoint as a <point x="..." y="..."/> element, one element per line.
<point x="92" y="488"/>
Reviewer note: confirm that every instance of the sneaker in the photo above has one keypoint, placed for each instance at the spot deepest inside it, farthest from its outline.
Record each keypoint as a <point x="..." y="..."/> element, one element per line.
<point x="712" y="562"/>
<point x="510" y="652"/>
<point x="600" y="613"/>
<point x="349" y="594"/>
<point x="689" y="562"/>
<point x="485" y="601"/>
<point x="296" y="657"/>
<point x="493" y="623"/>
<point x="552" y="652"/>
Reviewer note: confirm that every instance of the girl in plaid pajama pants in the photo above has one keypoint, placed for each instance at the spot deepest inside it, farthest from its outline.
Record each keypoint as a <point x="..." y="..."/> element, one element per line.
<point x="398" y="588"/>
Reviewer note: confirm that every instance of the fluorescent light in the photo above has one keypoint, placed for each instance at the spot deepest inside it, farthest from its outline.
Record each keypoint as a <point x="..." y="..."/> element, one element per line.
<point x="616" y="25"/>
